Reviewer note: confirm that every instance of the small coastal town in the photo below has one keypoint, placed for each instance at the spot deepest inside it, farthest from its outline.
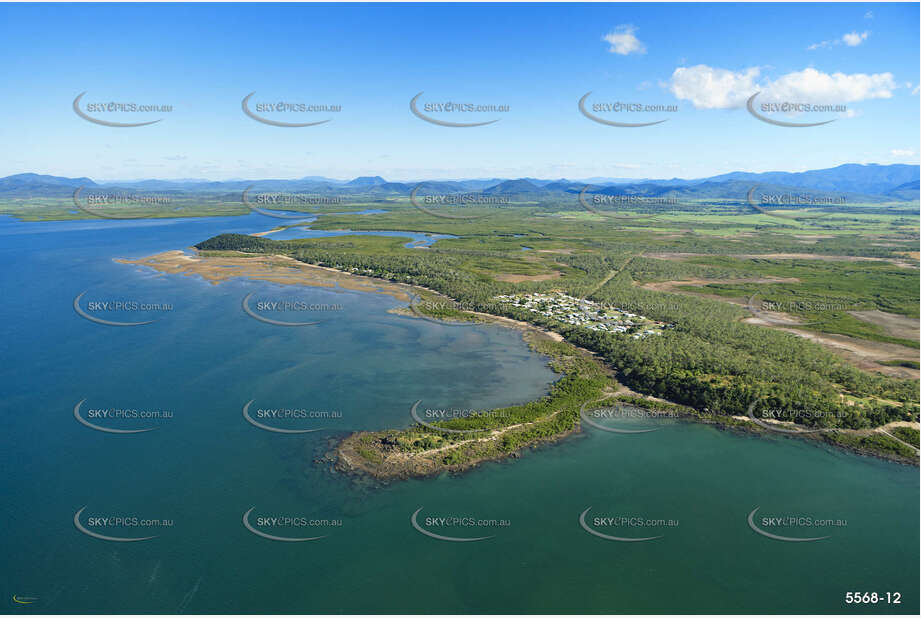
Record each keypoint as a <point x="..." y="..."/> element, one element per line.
<point x="585" y="313"/>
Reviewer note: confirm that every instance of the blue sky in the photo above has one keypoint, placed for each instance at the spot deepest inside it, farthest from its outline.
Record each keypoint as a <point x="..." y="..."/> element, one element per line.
<point x="538" y="59"/>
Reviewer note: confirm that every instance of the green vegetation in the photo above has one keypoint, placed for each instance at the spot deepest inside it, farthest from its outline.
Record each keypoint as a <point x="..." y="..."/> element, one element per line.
<point x="911" y="364"/>
<point x="652" y="404"/>
<point x="178" y="205"/>
<point x="710" y="360"/>
<point x="822" y="293"/>
<point x="370" y="455"/>
<point x="436" y="307"/>
<point x="434" y="446"/>
<point x="546" y="418"/>
<point x="907" y="434"/>
<point x="874" y="443"/>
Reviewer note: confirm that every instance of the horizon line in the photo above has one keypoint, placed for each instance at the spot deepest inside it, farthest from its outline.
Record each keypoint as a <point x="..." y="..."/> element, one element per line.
<point x="448" y="178"/>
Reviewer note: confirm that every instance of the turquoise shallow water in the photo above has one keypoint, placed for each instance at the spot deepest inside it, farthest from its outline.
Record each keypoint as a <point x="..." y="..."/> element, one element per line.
<point x="201" y="469"/>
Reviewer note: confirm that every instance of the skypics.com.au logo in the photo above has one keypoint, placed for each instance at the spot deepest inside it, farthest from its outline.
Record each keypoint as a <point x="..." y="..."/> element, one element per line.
<point x="287" y="420"/>
<point x="287" y="528"/>
<point x="451" y="522"/>
<point x="109" y="205"/>
<point x="619" y="109"/>
<point x="436" y="112"/>
<point x="762" y="110"/>
<point x="286" y="109"/>
<point x="117" y="109"/>
<point x="625" y="528"/>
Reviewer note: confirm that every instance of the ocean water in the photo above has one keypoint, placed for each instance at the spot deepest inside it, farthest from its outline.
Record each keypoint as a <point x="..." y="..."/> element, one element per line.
<point x="690" y="486"/>
<point x="418" y="239"/>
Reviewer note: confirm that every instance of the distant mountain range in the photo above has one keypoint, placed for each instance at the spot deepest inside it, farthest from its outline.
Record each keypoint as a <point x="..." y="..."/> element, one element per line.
<point x="873" y="183"/>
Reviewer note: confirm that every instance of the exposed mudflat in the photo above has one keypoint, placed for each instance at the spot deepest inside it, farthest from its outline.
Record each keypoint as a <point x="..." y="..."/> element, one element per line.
<point x="894" y="325"/>
<point x="275" y="268"/>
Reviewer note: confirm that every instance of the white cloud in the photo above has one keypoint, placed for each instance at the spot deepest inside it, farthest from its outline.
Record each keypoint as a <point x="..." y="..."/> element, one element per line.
<point x="868" y="15"/>
<point x="711" y="88"/>
<point x="853" y="39"/>
<point x="901" y="153"/>
<point x="623" y="41"/>
<point x="714" y="88"/>
<point x="915" y="91"/>
<point x="821" y="45"/>
<point x="812" y="86"/>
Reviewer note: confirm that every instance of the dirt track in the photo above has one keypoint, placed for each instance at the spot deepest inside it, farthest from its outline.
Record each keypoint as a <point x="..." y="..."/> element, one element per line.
<point x="786" y="256"/>
<point x="862" y="353"/>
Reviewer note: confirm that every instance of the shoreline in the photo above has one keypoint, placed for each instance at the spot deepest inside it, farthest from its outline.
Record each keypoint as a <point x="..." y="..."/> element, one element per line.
<point x="216" y="267"/>
<point x="393" y="454"/>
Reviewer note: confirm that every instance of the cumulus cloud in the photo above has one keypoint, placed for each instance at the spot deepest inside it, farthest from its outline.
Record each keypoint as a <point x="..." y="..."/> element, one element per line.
<point x="851" y="39"/>
<point x="714" y="88"/>
<point x="810" y="85"/>
<point x="901" y="153"/>
<point x="623" y="41"/>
